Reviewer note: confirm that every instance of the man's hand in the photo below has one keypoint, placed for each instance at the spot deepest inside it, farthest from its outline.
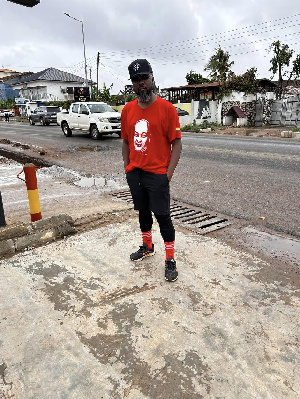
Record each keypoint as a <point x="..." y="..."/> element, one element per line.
<point x="175" y="156"/>
<point x="125" y="153"/>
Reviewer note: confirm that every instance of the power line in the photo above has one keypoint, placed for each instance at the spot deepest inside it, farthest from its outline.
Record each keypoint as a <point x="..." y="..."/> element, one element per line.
<point x="206" y="38"/>
<point x="198" y="49"/>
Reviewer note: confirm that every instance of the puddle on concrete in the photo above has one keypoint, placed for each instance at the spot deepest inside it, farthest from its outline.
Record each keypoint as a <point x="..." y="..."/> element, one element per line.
<point x="273" y="245"/>
<point x="91" y="182"/>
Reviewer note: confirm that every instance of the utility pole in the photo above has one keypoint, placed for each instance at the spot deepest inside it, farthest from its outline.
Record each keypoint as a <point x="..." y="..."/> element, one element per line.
<point x="91" y="79"/>
<point x="83" y="42"/>
<point x="98" y="60"/>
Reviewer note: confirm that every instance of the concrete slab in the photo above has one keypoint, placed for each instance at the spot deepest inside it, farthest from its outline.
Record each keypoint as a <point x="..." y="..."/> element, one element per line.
<point x="80" y="320"/>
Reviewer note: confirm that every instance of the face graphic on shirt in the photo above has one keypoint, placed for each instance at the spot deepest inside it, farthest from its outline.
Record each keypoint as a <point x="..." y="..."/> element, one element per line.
<point x="141" y="135"/>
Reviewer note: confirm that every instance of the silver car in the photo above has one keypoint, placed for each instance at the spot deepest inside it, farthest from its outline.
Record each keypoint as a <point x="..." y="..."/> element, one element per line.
<point x="44" y="115"/>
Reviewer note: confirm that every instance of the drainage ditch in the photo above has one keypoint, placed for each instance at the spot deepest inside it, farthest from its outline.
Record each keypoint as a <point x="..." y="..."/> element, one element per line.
<point x="185" y="215"/>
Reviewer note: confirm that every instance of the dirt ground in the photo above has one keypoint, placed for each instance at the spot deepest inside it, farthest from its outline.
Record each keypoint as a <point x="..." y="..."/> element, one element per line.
<point x="262" y="131"/>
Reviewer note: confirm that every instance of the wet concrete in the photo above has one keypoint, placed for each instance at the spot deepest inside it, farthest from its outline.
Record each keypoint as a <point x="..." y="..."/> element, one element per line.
<point x="91" y="182"/>
<point x="273" y="246"/>
<point x="80" y="320"/>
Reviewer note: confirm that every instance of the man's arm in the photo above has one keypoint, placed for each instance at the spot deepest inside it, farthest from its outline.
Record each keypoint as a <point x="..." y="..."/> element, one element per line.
<point x="125" y="152"/>
<point x="175" y="156"/>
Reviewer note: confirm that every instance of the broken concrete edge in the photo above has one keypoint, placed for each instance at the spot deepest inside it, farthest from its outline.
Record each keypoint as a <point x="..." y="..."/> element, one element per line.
<point x="24" y="158"/>
<point x="35" y="234"/>
<point x="21" y="237"/>
<point x="290" y="134"/>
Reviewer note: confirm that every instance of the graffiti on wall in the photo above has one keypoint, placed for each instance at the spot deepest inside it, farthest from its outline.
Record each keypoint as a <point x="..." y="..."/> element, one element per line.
<point x="203" y="110"/>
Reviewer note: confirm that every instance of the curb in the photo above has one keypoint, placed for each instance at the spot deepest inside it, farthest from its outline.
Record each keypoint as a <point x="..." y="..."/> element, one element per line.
<point x="23" y="158"/>
<point x="35" y="234"/>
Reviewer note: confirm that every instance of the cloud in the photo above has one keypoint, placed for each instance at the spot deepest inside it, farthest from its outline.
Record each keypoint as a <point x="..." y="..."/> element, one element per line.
<point x="175" y="36"/>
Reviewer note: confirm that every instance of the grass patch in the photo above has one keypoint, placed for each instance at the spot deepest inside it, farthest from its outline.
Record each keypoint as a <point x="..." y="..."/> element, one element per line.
<point x="296" y="129"/>
<point x="197" y="127"/>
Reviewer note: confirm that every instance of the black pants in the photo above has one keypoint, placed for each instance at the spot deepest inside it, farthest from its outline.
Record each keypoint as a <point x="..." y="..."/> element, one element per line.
<point x="151" y="193"/>
<point x="165" y="223"/>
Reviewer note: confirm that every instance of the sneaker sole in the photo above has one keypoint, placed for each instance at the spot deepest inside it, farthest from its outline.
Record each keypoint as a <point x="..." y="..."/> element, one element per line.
<point x="171" y="281"/>
<point x="145" y="256"/>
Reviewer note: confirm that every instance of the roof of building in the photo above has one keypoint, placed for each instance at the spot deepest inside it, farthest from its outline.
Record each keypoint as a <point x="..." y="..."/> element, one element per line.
<point x="236" y="110"/>
<point x="15" y="77"/>
<point x="261" y="82"/>
<point x="50" y="74"/>
<point x="4" y="70"/>
<point x="194" y="86"/>
<point x="266" y="82"/>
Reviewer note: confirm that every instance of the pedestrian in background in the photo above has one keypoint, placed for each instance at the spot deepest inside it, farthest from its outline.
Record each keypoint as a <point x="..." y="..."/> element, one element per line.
<point x="6" y="115"/>
<point x="151" y="150"/>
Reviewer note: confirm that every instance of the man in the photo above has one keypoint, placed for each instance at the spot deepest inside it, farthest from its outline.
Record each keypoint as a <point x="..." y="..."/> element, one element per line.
<point x="151" y="150"/>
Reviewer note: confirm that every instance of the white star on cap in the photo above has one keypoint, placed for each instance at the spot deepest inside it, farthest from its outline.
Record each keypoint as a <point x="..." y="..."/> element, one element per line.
<point x="136" y="67"/>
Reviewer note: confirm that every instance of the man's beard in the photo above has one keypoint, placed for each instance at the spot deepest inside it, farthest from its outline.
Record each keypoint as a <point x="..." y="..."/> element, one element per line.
<point x="144" y="96"/>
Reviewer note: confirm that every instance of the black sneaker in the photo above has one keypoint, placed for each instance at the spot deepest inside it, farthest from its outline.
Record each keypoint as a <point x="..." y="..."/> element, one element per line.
<point x="142" y="252"/>
<point x="171" y="274"/>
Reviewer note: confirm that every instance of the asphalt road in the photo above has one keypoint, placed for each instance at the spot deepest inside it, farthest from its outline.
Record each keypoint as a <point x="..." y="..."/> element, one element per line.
<point x="248" y="178"/>
<point x="255" y="179"/>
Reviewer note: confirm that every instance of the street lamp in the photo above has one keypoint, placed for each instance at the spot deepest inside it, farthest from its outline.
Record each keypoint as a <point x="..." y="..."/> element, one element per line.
<point x="85" y="68"/>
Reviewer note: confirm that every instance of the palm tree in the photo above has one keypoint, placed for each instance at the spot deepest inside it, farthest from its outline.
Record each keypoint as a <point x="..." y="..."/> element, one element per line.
<point x="219" y="66"/>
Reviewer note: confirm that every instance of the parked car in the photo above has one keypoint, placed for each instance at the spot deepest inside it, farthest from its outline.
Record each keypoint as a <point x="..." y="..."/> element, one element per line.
<point x="44" y="115"/>
<point x="94" y="118"/>
<point x="8" y="111"/>
<point x="181" y="112"/>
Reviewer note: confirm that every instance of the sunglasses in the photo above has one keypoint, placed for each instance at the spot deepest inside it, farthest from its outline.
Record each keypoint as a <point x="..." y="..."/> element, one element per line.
<point x="138" y="78"/>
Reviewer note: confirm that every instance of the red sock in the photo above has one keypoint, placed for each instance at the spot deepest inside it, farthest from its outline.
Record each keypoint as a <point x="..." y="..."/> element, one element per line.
<point x="169" y="247"/>
<point x="147" y="238"/>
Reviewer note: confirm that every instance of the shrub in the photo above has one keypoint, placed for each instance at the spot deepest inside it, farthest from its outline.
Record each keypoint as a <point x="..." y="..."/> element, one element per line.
<point x="194" y="127"/>
<point x="65" y="104"/>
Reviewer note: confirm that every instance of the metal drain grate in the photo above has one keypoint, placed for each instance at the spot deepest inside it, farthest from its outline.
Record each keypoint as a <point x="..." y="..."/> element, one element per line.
<point x="123" y="195"/>
<point x="188" y="216"/>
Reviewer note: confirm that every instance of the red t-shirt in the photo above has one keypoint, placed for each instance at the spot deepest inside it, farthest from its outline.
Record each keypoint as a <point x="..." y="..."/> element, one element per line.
<point x="150" y="132"/>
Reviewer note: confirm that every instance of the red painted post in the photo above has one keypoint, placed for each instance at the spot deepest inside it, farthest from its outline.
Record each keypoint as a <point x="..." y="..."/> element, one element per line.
<point x="29" y="170"/>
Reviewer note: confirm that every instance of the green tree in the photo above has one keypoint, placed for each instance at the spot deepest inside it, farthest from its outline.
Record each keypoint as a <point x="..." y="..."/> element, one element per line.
<point x="245" y="83"/>
<point x="102" y="95"/>
<point x="64" y="104"/>
<point x="219" y="66"/>
<point x="193" y="78"/>
<point x="281" y="58"/>
<point x="7" y="103"/>
<point x="296" y="67"/>
<point x="127" y="94"/>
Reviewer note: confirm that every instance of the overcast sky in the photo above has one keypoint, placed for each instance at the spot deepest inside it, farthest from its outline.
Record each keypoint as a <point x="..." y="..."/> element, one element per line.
<point x="176" y="36"/>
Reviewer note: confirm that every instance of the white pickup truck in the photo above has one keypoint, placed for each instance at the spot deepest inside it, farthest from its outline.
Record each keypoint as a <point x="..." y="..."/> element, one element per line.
<point x="96" y="118"/>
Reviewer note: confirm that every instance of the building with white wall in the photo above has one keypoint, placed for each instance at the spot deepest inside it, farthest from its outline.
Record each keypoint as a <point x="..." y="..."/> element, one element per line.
<point x="51" y="84"/>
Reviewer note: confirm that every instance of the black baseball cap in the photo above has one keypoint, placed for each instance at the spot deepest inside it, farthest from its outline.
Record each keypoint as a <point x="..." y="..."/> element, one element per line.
<point x="139" y="67"/>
